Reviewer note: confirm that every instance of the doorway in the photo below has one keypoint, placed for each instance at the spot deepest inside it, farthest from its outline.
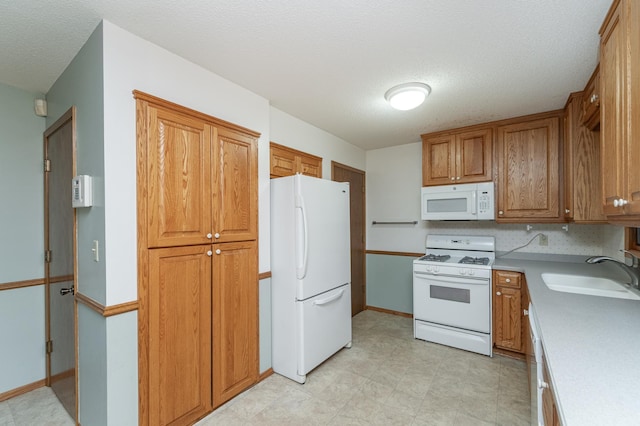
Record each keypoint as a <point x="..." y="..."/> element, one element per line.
<point x="356" y="179"/>
<point x="60" y="260"/>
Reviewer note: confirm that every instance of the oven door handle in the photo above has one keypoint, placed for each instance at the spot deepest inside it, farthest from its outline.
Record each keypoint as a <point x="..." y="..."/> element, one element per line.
<point x="451" y="279"/>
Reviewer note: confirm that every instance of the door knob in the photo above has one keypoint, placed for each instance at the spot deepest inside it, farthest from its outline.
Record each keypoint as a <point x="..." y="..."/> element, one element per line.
<point x="65" y="291"/>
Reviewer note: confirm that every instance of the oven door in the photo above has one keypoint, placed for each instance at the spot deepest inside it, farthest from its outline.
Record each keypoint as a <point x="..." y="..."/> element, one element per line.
<point x="453" y="301"/>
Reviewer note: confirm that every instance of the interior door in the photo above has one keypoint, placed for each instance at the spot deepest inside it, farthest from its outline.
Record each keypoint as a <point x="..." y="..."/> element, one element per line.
<point x="60" y="261"/>
<point x="356" y="179"/>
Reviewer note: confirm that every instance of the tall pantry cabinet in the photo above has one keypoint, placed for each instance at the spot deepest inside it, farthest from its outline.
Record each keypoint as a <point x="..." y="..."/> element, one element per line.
<point x="197" y="261"/>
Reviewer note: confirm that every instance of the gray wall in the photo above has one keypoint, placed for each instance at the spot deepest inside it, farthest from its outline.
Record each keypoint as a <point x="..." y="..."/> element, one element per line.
<point x="81" y="85"/>
<point x="22" y="332"/>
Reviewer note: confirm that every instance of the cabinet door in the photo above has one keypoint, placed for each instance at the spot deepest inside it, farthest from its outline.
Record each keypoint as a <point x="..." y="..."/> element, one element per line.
<point x="282" y="163"/>
<point x="179" y="309"/>
<point x="582" y="180"/>
<point x="438" y="160"/>
<point x="178" y="174"/>
<point x="508" y="318"/>
<point x="528" y="171"/>
<point x="235" y="319"/>
<point x="473" y="156"/>
<point x="310" y="165"/>
<point x="632" y="121"/>
<point x="612" y="84"/>
<point x="235" y="186"/>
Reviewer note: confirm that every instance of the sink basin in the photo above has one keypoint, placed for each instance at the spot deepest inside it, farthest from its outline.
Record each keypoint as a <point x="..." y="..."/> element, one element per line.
<point x="593" y="286"/>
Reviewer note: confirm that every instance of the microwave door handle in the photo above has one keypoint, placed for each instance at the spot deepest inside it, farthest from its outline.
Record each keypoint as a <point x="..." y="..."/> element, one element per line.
<point x="474" y="202"/>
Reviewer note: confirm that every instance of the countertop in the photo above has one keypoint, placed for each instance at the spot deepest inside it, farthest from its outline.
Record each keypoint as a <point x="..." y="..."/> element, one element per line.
<point x="591" y="343"/>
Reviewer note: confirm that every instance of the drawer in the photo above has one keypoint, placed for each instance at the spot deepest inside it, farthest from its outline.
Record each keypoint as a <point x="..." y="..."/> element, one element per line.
<point x="507" y="279"/>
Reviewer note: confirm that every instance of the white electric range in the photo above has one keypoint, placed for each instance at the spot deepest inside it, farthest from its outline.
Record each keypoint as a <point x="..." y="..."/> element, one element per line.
<point x="452" y="292"/>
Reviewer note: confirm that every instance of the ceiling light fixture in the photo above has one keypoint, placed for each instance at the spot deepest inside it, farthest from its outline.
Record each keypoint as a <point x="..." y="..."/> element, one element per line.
<point x="407" y="96"/>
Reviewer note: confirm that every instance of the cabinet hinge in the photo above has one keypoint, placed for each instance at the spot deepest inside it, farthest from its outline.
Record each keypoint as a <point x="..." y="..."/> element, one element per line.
<point x="49" y="346"/>
<point x="525" y="312"/>
<point x="47" y="165"/>
<point x="47" y="256"/>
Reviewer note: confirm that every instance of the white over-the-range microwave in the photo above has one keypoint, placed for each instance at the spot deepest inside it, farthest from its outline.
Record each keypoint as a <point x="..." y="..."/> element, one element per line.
<point x="471" y="201"/>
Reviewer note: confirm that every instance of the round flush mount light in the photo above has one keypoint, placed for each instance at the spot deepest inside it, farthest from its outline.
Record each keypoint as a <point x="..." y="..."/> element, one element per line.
<point x="407" y="96"/>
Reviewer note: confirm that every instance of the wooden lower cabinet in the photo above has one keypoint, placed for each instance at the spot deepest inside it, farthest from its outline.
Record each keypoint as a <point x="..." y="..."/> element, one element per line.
<point x="508" y="312"/>
<point x="235" y="319"/>
<point x="201" y="306"/>
<point x="178" y="305"/>
<point x="549" y="409"/>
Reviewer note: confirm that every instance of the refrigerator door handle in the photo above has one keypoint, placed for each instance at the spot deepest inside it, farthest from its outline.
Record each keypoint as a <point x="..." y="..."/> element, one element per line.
<point x="329" y="299"/>
<point x="301" y="271"/>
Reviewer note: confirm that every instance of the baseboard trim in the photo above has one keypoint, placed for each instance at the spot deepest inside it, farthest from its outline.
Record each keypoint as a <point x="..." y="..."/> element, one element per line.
<point x="264" y="375"/>
<point x="63" y="375"/>
<point x="22" y="390"/>
<point x="509" y="354"/>
<point x="388" y="311"/>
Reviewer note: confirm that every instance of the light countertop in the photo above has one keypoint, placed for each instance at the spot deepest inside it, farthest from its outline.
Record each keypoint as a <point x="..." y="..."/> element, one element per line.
<point x="591" y="343"/>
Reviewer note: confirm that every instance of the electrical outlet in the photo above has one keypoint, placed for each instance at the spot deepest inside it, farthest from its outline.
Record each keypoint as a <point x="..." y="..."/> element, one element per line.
<point x="544" y="240"/>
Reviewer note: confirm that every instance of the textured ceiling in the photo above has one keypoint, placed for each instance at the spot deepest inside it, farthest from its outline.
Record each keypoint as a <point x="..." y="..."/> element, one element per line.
<point x="330" y="62"/>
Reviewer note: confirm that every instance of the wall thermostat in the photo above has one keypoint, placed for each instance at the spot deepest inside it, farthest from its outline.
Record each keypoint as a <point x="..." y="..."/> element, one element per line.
<point x="81" y="191"/>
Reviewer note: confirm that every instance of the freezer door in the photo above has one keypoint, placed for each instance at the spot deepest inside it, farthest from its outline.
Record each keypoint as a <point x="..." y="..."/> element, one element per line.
<point x="324" y="328"/>
<point x="323" y="248"/>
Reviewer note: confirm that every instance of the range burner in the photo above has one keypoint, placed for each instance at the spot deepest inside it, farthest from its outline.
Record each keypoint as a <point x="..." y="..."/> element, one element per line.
<point x="436" y="258"/>
<point x="468" y="260"/>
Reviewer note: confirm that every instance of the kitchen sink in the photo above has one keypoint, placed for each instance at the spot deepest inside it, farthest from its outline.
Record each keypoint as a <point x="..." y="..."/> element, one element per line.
<point x="592" y="286"/>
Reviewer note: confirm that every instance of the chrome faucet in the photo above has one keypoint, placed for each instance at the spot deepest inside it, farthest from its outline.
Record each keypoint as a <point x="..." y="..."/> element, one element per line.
<point x="632" y="271"/>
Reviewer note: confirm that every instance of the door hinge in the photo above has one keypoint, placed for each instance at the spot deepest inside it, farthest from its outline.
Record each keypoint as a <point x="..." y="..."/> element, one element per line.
<point x="47" y="165"/>
<point x="47" y="256"/>
<point x="49" y="346"/>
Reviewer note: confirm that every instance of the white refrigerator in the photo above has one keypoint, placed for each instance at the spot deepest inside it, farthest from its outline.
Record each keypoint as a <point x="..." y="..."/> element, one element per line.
<point x="310" y="273"/>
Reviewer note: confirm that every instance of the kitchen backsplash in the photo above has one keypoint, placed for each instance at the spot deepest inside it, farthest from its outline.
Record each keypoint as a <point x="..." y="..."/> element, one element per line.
<point x="578" y="240"/>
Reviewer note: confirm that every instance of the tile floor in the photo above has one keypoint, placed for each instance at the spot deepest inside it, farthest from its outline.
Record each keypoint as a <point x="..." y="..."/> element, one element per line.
<point x="389" y="378"/>
<point x="386" y="378"/>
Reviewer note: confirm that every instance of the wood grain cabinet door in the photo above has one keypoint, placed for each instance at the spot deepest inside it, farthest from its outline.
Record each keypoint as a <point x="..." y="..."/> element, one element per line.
<point x="179" y="308"/>
<point x="438" y="160"/>
<point x="508" y="318"/>
<point x="178" y="174"/>
<point x="235" y="186"/>
<point x="473" y="156"/>
<point x="235" y="319"/>
<point x="528" y="171"/>
<point x="612" y="85"/>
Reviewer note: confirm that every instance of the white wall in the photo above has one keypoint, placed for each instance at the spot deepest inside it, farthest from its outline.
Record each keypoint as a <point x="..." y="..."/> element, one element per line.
<point x="22" y="331"/>
<point x="394" y="178"/>
<point x="290" y="131"/>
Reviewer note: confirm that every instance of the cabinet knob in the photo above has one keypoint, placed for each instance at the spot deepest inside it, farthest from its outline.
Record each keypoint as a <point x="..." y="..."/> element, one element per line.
<point x="543" y="385"/>
<point x="453" y="178"/>
<point x="209" y="235"/>
<point x="500" y="212"/>
<point x="498" y="293"/>
<point x="620" y="202"/>
<point x="508" y="280"/>
<point x="458" y="178"/>
<point x="218" y="251"/>
<point x="217" y="235"/>
<point x="593" y="98"/>
<point x="567" y="211"/>
<point x="209" y="253"/>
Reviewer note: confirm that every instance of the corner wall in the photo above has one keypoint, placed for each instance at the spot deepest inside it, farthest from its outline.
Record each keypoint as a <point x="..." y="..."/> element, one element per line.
<point x="22" y="320"/>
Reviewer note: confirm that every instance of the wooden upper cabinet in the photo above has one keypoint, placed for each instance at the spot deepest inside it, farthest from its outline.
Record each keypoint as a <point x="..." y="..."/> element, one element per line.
<point x="582" y="179"/>
<point x="528" y="155"/>
<point x="591" y="102"/>
<point x="178" y="174"/>
<point x="201" y="180"/>
<point x="285" y="161"/>
<point x="620" y="101"/>
<point x="462" y="157"/>
<point x="235" y="183"/>
<point x="235" y="319"/>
